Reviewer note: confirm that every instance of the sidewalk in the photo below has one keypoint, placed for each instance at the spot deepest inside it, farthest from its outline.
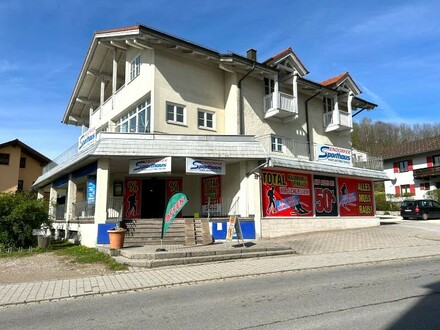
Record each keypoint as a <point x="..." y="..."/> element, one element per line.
<point x="317" y="250"/>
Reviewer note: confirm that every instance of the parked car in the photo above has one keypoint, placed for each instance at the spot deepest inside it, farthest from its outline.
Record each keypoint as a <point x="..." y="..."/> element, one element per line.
<point x="420" y="209"/>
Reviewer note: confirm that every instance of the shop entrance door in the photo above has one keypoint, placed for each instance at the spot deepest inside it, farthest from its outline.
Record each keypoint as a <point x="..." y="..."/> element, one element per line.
<point x="153" y="198"/>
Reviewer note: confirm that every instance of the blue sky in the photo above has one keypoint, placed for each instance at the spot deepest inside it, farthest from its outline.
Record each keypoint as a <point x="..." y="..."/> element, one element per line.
<point x="391" y="49"/>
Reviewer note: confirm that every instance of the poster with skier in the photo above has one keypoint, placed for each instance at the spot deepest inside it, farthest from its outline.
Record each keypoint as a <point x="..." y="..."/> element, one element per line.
<point x="286" y="194"/>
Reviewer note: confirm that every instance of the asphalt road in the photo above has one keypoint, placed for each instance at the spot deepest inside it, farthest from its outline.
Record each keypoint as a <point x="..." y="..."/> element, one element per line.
<point x="393" y="295"/>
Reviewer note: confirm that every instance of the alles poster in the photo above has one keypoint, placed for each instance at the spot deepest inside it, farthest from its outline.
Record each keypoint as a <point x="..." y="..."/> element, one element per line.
<point x="286" y="194"/>
<point x="355" y="197"/>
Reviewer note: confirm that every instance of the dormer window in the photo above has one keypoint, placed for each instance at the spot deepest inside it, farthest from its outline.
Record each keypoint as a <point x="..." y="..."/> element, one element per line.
<point x="135" y="67"/>
<point x="327" y="103"/>
<point x="269" y="86"/>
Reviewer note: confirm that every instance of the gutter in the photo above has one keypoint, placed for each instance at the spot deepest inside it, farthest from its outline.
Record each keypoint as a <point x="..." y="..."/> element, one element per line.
<point x="241" y="102"/>
<point x="307" y="121"/>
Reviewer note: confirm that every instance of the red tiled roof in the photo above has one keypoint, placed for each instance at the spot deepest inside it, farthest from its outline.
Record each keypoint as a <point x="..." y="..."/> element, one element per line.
<point x="431" y="144"/>
<point x="335" y="80"/>
<point x="280" y="54"/>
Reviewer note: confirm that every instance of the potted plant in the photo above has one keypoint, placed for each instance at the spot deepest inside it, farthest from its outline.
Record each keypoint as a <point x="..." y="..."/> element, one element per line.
<point x="116" y="237"/>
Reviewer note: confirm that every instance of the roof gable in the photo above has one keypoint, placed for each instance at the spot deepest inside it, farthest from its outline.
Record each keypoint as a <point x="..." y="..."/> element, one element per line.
<point x="27" y="150"/>
<point x="287" y="59"/>
<point x="343" y="80"/>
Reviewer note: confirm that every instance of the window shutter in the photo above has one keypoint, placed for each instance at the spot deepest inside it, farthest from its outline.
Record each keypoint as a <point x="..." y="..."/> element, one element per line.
<point x="410" y="165"/>
<point x="397" y="190"/>
<point x="396" y="167"/>
<point x="422" y="186"/>
<point x="429" y="161"/>
<point x="412" y="189"/>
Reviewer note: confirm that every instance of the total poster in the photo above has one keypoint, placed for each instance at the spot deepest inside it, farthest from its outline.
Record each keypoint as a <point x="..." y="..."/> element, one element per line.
<point x="286" y="194"/>
<point x="355" y="197"/>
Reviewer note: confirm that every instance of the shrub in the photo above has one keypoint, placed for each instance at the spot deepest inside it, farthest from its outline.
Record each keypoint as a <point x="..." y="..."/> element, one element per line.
<point x="19" y="214"/>
<point x="383" y="205"/>
<point x="434" y="194"/>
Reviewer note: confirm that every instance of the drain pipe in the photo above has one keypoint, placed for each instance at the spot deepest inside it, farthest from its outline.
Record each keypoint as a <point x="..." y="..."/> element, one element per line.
<point x="240" y="95"/>
<point x="307" y="121"/>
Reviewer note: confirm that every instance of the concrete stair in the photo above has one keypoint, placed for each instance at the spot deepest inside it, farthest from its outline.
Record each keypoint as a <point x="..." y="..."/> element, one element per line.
<point x="149" y="258"/>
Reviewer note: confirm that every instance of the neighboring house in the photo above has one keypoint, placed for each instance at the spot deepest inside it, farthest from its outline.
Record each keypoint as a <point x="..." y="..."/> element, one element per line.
<point x="20" y="166"/>
<point x="414" y="168"/>
<point x="239" y="136"/>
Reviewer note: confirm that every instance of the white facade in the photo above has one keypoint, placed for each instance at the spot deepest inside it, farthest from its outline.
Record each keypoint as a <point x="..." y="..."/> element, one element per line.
<point x="145" y="95"/>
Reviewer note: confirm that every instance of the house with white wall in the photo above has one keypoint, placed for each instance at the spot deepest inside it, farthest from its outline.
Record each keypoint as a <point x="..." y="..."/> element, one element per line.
<point x="239" y="136"/>
<point x="414" y="168"/>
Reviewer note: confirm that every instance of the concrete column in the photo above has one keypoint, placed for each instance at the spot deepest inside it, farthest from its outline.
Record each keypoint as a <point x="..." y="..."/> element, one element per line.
<point x="53" y="195"/>
<point x="102" y="179"/>
<point x="243" y="202"/>
<point x="70" y="199"/>
<point x="40" y="193"/>
<point x="101" y="97"/>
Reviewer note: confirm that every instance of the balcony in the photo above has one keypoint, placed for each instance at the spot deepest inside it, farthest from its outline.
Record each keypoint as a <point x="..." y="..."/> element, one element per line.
<point x="285" y="110"/>
<point x="303" y="150"/>
<point x="425" y="173"/>
<point x="337" y="121"/>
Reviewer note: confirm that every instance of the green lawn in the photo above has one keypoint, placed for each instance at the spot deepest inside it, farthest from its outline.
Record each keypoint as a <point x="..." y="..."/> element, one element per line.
<point x="78" y="253"/>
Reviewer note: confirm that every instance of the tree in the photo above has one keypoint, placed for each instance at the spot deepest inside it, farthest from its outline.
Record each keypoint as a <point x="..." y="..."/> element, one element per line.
<point x="19" y="214"/>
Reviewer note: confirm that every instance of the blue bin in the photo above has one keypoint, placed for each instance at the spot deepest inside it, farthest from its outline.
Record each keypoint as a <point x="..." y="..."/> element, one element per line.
<point x="102" y="232"/>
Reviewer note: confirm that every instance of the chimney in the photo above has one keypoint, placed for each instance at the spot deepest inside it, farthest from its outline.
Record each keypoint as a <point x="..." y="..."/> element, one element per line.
<point x="252" y="54"/>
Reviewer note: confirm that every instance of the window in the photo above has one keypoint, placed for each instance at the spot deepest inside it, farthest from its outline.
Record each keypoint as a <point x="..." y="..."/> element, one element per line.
<point x="403" y="166"/>
<point x="436" y="160"/>
<point x="23" y="162"/>
<point x="20" y="185"/>
<point x="205" y="119"/>
<point x="137" y="120"/>
<point x="277" y="144"/>
<point x="405" y="189"/>
<point x="327" y="104"/>
<point x="425" y="186"/>
<point x="135" y="67"/>
<point x="268" y="86"/>
<point x="4" y="159"/>
<point x="176" y="114"/>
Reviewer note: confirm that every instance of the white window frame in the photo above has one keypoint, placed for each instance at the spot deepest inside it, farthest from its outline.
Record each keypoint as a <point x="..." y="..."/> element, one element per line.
<point x="133" y="114"/>
<point x="135" y="67"/>
<point x="206" y="120"/>
<point x="277" y="143"/>
<point x="327" y="104"/>
<point x="175" y="107"/>
<point x="436" y="160"/>
<point x="405" y="189"/>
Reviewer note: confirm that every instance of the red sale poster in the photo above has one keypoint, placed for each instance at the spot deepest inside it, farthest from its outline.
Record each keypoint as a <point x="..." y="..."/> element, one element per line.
<point x="355" y="197"/>
<point x="286" y="194"/>
<point x="173" y="186"/>
<point x="212" y="195"/>
<point x="132" y="198"/>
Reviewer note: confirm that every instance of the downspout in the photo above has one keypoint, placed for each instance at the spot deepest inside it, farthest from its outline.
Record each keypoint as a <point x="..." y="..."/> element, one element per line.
<point x="307" y="121"/>
<point x="240" y="95"/>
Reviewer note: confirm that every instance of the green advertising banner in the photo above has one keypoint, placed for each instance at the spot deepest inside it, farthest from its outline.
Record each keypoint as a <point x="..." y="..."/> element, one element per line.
<point x="175" y="204"/>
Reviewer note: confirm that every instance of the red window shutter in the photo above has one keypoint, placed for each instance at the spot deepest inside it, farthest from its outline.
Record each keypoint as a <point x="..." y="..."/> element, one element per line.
<point x="397" y="190"/>
<point x="429" y="161"/>
<point x="412" y="189"/>
<point x="410" y="165"/>
<point x="396" y="167"/>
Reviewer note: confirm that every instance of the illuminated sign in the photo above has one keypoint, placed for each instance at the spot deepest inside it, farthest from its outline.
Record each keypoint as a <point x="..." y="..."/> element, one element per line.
<point x="198" y="166"/>
<point x="155" y="165"/>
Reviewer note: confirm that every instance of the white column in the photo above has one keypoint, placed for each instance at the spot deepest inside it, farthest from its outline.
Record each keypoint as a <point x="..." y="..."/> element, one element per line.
<point x="114" y="77"/>
<point x="335" y="114"/>
<point x="102" y="178"/>
<point x="53" y="195"/>
<point x="243" y="202"/>
<point x="349" y="107"/>
<point x="276" y="95"/>
<point x="40" y="193"/>
<point x="101" y="97"/>
<point x="70" y="199"/>
<point x="295" y="91"/>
